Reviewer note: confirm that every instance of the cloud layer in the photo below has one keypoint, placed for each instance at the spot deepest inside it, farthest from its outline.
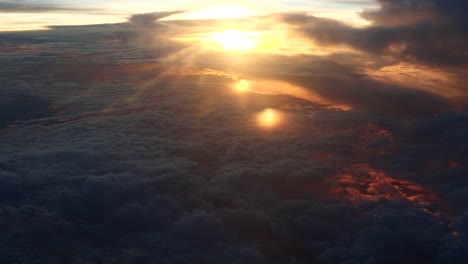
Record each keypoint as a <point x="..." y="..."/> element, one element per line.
<point x="31" y="6"/>
<point x="135" y="148"/>
<point x="425" y="31"/>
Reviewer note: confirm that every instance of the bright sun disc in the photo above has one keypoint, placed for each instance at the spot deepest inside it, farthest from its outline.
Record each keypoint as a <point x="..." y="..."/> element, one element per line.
<point x="242" y="86"/>
<point x="233" y="39"/>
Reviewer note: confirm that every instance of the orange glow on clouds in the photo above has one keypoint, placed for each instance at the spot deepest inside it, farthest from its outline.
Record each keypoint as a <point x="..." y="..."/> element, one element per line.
<point x="22" y="49"/>
<point x="362" y="182"/>
<point x="432" y="79"/>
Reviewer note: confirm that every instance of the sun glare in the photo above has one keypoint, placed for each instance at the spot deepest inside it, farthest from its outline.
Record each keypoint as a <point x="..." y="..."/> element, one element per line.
<point x="242" y="86"/>
<point x="233" y="39"/>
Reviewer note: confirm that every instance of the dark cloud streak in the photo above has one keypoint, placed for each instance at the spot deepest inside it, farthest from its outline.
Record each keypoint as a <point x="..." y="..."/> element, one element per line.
<point x="37" y="7"/>
<point x="433" y="32"/>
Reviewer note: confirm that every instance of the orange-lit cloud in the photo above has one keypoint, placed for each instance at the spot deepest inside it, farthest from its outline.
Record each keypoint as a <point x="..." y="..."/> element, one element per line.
<point x="361" y="181"/>
<point x="433" y="79"/>
<point x="23" y="49"/>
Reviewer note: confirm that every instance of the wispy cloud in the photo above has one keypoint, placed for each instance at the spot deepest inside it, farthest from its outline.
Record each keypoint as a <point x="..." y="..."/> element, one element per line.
<point x="28" y="6"/>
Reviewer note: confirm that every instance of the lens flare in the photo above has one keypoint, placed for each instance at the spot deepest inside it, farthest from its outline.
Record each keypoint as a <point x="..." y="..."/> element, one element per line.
<point x="269" y="118"/>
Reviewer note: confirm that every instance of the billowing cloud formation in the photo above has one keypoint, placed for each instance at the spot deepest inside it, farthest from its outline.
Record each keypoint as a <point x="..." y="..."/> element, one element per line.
<point x="137" y="149"/>
<point x="426" y="31"/>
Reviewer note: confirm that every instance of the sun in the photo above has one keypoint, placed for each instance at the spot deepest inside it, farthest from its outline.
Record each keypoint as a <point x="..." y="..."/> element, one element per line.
<point x="234" y="39"/>
<point x="242" y="86"/>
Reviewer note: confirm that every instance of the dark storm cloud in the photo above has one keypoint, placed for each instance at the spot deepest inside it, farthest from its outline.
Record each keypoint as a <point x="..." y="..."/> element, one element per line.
<point x="34" y="6"/>
<point x="432" y="32"/>
<point x="417" y="11"/>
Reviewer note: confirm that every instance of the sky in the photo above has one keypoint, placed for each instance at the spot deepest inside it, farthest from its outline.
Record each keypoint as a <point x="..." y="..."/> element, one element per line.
<point x="34" y="14"/>
<point x="279" y="132"/>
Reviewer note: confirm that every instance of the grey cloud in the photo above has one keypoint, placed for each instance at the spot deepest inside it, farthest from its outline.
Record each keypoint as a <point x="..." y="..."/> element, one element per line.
<point x="22" y="107"/>
<point x="417" y="11"/>
<point x="431" y="32"/>
<point x="150" y="18"/>
<point x="31" y="6"/>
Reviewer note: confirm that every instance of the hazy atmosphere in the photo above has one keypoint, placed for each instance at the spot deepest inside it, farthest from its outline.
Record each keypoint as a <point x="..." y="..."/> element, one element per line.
<point x="234" y="132"/>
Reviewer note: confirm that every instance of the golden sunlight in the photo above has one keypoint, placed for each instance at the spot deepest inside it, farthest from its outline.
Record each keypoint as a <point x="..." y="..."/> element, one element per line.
<point x="242" y="86"/>
<point x="269" y="118"/>
<point x="233" y="39"/>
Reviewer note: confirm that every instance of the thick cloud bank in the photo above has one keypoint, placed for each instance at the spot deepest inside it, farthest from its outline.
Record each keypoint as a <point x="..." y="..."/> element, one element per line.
<point x="119" y="144"/>
<point x="429" y="31"/>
